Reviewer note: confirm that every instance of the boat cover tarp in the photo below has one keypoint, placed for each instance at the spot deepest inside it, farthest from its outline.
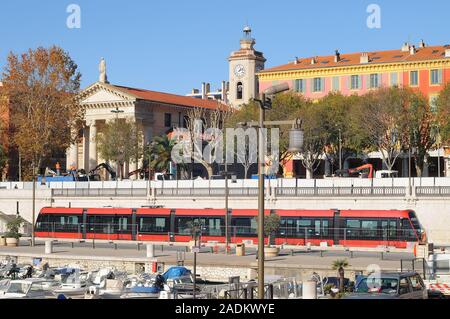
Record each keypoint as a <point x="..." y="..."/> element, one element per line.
<point x="175" y="272"/>
<point x="141" y="289"/>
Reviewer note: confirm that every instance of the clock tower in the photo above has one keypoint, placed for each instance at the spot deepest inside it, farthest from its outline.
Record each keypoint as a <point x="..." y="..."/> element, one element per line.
<point x="244" y="64"/>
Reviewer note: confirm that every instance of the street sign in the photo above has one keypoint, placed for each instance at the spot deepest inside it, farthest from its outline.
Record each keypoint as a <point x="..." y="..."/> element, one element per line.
<point x="195" y="249"/>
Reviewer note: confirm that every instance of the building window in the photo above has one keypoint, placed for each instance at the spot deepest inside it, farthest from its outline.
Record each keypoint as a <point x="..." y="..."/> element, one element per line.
<point x="239" y="91"/>
<point x="374" y="81"/>
<point x="167" y="119"/>
<point x="394" y="79"/>
<point x="336" y="83"/>
<point x="436" y="77"/>
<point x="318" y="85"/>
<point x="300" y="86"/>
<point x="355" y="82"/>
<point x="414" y="78"/>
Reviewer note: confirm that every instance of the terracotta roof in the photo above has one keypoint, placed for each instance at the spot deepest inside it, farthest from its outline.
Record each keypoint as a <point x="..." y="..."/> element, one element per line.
<point x="180" y="100"/>
<point x="352" y="59"/>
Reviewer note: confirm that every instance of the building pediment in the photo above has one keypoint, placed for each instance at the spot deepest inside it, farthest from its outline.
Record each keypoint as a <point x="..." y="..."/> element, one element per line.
<point x="104" y="94"/>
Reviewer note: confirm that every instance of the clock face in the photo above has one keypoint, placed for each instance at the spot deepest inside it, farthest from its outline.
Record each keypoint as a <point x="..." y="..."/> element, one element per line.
<point x="239" y="70"/>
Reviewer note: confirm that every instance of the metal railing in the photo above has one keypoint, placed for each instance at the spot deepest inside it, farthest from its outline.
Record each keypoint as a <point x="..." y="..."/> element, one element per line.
<point x="100" y="192"/>
<point x="433" y="191"/>
<point x="340" y="191"/>
<point x="206" y="192"/>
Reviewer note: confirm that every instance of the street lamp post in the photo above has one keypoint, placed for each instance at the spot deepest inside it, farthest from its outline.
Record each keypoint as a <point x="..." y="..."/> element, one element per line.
<point x="340" y="149"/>
<point x="295" y="144"/>
<point x="117" y="111"/>
<point x="409" y="170"/>
<point x="261" y="236"/>
<point x="33" y="212"/>
<point x="264" y="104"/>
<point x="439" y="151"/>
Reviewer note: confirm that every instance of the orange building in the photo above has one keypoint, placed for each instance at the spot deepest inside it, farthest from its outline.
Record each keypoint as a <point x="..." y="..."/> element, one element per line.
<point x="425" y="69"/>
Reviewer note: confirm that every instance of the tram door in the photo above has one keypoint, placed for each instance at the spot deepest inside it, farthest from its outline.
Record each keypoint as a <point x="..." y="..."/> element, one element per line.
<point x="388" y="232"/>
<point x="84" y="225"/>
<point x="123" y="227"/>
<point x="337" y="228"/>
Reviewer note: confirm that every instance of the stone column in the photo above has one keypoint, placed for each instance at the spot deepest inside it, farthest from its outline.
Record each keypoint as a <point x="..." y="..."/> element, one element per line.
<point x="148" y="136"/>
<point x="86" y="148"/>
<point x="72" y="156"/>
<point x="92" y="145"/>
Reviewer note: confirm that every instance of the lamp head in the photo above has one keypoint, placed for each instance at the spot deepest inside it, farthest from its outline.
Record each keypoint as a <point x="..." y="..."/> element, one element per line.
<point x="277" y="89"/>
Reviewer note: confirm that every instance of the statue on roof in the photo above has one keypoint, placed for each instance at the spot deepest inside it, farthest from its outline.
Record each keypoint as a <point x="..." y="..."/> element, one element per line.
<point x="102" y="69"/>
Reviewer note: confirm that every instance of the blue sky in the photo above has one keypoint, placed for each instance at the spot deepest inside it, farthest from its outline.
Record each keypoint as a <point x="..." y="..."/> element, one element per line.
<point x="173" y="46"/>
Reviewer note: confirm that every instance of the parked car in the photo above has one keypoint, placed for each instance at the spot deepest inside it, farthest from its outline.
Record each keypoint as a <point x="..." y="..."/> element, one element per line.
<point x="390" y="286"/>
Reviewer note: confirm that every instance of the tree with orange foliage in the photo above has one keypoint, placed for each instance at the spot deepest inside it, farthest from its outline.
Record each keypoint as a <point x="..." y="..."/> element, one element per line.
<point x="443" y="114"/>
<point x="41" y="87"/>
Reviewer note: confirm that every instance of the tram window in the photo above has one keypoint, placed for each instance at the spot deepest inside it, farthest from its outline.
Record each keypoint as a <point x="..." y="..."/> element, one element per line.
<point x="210" y="226"/>
<point x="101" y="224"/>
<point x="407" y="231"/>
<point x="63" y="223"/>
<point x="414" y="220"/>
<point x="317" y="227"/>
<point x="184" y="225"/>
<point x="244" y="226"/>
<point x="353" y="228"/>
<point x="304" y="222"/>
<point x="393" y="229"/>
<point x="214" y="227"/>
<point x="153" y="225"/>
<point x="123" y="224"/>
<point x="42" y="223"/>
<point x="325" y="226"/>
<point x="369" y="228"/>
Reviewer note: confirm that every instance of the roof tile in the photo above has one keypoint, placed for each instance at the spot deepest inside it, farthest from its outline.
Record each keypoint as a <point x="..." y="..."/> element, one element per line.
<point x="167" y="98"/>
<point x="352" y="59"/>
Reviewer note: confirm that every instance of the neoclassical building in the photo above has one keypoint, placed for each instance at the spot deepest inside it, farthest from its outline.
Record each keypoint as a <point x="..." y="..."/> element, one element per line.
<point x="156" y="112"/>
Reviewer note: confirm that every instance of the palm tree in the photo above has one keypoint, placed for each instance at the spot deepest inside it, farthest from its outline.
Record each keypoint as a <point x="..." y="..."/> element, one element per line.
<point x="160" y="153"/>
<point x="339" y="265"/>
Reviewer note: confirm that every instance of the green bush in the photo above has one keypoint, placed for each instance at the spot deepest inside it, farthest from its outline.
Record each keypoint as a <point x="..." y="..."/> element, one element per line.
<point x="13" y="227"/>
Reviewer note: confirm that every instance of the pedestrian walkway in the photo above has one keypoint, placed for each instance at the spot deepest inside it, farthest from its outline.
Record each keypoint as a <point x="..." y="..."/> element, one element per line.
<point x="168" y="255"/>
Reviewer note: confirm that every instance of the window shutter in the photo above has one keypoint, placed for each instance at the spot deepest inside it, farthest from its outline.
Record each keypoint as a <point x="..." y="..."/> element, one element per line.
<point x="311" y="85"/>
<point x="322" y="84"/>
<point x="440" y="76"/>
<point x="360" y="84"/>
<point x="380" y="80"/>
